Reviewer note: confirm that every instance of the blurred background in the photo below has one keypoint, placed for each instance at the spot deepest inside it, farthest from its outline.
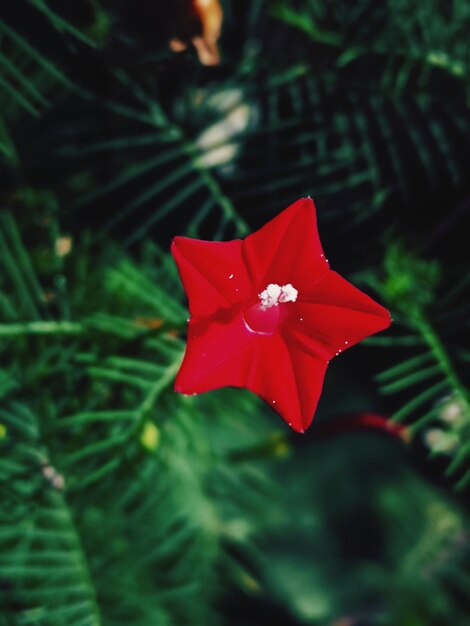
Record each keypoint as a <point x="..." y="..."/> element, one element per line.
<point x="126" y="122"/>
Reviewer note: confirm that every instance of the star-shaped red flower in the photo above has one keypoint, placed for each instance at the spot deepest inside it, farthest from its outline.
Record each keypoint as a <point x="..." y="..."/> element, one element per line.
<point x="268" y="314"/>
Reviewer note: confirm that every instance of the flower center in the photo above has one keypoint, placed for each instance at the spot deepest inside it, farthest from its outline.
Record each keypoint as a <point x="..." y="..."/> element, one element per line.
<point x="263" y="317"/>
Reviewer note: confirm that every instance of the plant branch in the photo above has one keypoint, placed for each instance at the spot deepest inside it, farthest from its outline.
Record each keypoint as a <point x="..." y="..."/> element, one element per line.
<point x="432" y="340"/>
<point x="41" y="328"/>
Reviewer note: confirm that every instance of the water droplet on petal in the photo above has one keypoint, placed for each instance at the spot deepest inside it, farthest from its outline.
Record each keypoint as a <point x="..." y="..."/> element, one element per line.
<point x="274" y="401"/>
<point x="231" y="276"/>
<point x="301" y="319"/>
<point x="346" y="343"/>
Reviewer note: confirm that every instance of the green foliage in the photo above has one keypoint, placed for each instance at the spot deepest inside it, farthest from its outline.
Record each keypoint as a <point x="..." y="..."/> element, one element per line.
<point x="410" y="281"/>
<point x="42" y="559"/>
<point x="438" y="399"/>
<point x="390" y="65"/>
<point x="30" y="84"/>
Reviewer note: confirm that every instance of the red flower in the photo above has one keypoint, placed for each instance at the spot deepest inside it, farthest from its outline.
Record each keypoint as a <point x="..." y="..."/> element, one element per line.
<point x="268" y="314"/>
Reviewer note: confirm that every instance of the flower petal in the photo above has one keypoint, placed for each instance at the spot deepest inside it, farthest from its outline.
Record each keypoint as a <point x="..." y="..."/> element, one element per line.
<point x="289" y="380"/>
<point x="218" y="354"/>
<point x="213" y="273"/>
<point x="334" y="316"/>
<point x="287" y="249"/>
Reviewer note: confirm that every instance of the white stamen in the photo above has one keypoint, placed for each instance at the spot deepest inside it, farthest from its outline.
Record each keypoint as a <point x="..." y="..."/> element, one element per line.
<point x="288" y="293"/>
<point x="270" y="296"/>
<point x="275" y="294"/>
